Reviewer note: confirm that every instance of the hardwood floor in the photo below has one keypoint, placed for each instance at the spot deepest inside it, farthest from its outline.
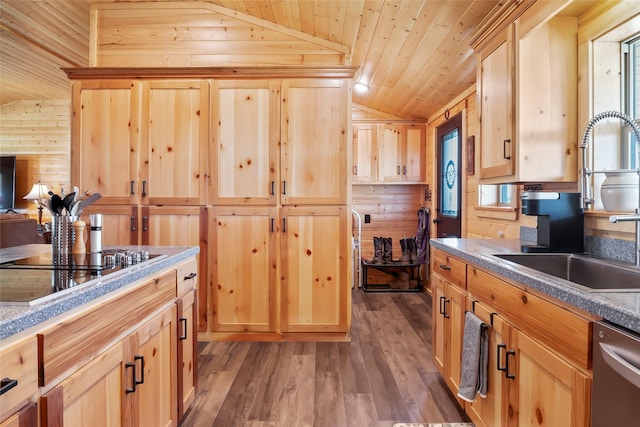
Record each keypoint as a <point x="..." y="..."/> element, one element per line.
<point x="383" y="376"/>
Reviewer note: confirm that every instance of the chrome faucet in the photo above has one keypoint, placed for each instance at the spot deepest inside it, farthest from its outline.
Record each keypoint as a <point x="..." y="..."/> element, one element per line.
<point x="586" y="172"/>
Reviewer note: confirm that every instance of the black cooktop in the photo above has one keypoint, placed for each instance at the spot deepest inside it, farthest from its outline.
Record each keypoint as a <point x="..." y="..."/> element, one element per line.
<point x="31" y="280"/>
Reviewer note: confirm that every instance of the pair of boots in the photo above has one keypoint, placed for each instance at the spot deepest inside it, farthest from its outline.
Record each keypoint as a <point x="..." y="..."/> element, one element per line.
<point x="409" y="250"/>
<point x="382" y="250"/>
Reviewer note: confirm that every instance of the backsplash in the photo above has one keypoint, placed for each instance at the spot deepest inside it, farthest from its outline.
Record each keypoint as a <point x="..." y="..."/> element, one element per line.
<point x="602" y="247"/>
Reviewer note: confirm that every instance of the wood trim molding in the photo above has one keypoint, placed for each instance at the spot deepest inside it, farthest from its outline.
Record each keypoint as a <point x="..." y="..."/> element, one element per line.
<point x="100" y="73"/>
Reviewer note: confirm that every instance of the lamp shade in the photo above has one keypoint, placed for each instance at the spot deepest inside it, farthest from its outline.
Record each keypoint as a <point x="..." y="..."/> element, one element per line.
<point x="38" y="192"/>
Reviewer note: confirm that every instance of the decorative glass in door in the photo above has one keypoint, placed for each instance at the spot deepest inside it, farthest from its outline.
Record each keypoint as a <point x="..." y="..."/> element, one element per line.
<point x="449" y="191"/>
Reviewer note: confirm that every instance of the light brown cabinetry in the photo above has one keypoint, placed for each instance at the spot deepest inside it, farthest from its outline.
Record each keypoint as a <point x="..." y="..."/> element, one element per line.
<point x="27" y="416"/>
<point x="278" y="144"/>
<point x="527" y="91"/>
<point x="19" y="373"/>
<point x="388" y="153"/>
<point x="539" y="350"/>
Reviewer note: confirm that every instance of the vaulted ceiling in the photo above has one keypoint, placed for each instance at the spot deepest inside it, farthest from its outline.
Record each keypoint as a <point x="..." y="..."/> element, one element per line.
<point x="413" y="54"/>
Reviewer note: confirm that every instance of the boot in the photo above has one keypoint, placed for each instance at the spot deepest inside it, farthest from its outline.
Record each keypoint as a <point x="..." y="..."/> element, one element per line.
<point x="387" y="251"/>
<point x="377" y="250"/>
<point x="404" y="244"/>
<point x="412" y="249"/>
<point x="402" y="282"/>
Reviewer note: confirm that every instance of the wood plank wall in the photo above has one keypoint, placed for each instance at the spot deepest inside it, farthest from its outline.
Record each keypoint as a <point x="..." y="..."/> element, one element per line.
<point x="38" y="134"/>
<point x="393" y="210"/>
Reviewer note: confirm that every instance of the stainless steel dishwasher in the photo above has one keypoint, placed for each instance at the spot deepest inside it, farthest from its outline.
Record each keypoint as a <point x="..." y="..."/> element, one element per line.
<point x="615" y="399"/>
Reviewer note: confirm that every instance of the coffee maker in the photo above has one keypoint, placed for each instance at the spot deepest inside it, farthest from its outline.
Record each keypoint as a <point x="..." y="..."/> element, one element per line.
<point x="560" y="221"/>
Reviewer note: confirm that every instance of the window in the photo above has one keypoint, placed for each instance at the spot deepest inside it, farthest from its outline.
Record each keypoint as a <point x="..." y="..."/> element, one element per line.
<point x="496" y="196"/>
<point x="631" y="98"/>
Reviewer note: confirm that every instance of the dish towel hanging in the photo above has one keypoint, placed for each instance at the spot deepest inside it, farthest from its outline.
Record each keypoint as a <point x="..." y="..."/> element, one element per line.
<point x="475" y="358"/>
<point x="422" y="238"/>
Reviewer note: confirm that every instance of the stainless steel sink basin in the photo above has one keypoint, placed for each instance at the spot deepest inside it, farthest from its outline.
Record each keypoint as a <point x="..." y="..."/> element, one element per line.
<point x="591" y="274"/>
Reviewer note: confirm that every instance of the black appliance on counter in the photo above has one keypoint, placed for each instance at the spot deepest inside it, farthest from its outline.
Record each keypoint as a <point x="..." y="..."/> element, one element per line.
<point x="33" y="279"/>
<point x="560" y="221"/>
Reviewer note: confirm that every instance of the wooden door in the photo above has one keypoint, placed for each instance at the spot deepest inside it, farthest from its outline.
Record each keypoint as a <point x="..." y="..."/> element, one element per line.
<point x="105" y="140"/>
<point x="545" y="390"/>
<point x="154" y="399"/>
<point x="390" y="153"/>
<point x="244" y="273"/>
<point x="365" y="152"/>
<point x="449" y="182"/>
<point x="490" y="411"/>
<point x="244" y="149"/>
<point x="315" y="141"/>
<point x="175" y="132"/>
<point x="413" y="169"/>
<point x="314" y="258"/>
<point x="93" y="395"/>
<point x="187" y="372"/>
<point x="496" y="86"/>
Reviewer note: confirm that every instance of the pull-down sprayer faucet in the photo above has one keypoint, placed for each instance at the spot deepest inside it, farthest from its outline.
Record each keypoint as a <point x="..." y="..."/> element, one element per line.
<point x="587" y="199"/>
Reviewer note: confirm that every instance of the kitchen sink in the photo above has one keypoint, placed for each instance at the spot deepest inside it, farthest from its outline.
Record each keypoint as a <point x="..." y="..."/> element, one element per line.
<point x="592" y="274"/>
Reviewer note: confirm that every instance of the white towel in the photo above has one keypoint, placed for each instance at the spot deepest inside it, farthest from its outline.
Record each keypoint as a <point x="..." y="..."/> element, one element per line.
<point x="473" y="373"/>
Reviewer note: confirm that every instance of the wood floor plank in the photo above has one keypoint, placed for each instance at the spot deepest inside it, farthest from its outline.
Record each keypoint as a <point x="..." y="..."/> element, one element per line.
<point x="383" y="376"/>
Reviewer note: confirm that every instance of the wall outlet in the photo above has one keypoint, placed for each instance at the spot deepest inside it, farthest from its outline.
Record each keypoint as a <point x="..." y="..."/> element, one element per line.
<point x="367" y="218"/>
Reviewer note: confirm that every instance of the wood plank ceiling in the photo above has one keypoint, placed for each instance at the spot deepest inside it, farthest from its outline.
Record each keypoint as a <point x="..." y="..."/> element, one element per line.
<point x="413" y="54"/>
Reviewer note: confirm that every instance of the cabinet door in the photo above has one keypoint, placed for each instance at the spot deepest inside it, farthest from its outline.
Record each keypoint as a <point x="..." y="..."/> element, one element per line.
<point x="246" y="132"/>
<point x="439" y="299"/>
<point x="491" y="410"/>
<point x="120" y="224"/>
<point x="546" y="390"/>
<point x="244" y="274"/>
<point x="495" y="77"/>
<point x="154" y="399"/>
<point x="93" y="395"/>
<point x="25" y="417"/>
<point x="187" y="372"/>
<point x="390" y="153"/>
<point x="413" y="169"/>
<point x="315" y="141"/>
<point x="171" y="225"/>
<point x="454" y="331"/>
<point x="314" y="269"/>
<point x="173" y="158"/>
<point x="104" y="139"/>
<point x="365" y="153"/>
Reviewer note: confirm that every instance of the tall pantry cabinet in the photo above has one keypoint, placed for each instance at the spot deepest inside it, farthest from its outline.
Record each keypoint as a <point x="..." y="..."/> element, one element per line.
<point x="280" y="201"/>
<point x="249" y="164"/>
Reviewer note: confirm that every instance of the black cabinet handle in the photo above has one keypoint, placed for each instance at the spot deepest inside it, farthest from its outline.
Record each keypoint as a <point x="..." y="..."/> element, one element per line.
<point x="441" y="310"/>
<point x="133" y="190"/>
<point x="273" y="220"/>
<point x="7" y="384"/>
<point x="507" y="374"/>
<point x="284" y="224"/>
<point x="444" y="267"/>
<point x="284" y="187"/>
<point x="404" y="170"/>
<point x="141" y="380"/>
<point x="133" y="223"/>
<point x="498" y="348"/>
<point x="355" y="170"/>
<point x="504" y="149"/>
<point x="398" y="172"/>
<point x="183" y="336"/>
<point x="190" y="276"/>
<point x="133" y="377"/>
<point x="144" y="188"/>
<point x="145" y="223"/>
<point x="273" y="188"/>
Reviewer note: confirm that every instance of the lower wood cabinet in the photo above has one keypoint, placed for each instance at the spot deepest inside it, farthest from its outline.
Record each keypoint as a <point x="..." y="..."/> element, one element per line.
<point x="187" y="372"/>
<point x="26" y="416"/>
<point x="539" y="370"/>
<point x="19" y="373"/>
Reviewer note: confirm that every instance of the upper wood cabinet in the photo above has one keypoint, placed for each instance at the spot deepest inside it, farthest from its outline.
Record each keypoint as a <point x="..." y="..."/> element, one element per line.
<point x="314" y="132"/>
<point x="527" y="90"/>
<point x="141" y="142"/>
<point x="388" y="153"/>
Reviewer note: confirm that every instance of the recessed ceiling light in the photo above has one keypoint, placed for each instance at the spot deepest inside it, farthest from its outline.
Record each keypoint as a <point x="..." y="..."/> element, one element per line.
<point x="360" y="87"/>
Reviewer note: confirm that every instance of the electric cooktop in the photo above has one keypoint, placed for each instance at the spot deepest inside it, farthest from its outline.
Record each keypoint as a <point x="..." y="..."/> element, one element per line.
<point x="31" y="280"/>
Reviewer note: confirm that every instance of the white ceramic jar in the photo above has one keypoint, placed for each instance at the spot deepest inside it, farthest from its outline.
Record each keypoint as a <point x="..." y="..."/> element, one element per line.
<point x="619" y="191"/>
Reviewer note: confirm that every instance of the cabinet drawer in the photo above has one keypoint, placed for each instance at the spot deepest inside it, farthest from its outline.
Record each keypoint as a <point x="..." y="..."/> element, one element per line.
<point x="75" y="340"/>
<point x="19" y="363"/>
<point x="551" y="324"/>
<point x="187" y="277"/>
<point x="449" y="268"/>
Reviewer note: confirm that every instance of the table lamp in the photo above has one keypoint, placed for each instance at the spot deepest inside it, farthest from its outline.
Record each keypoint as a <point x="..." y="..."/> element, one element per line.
<point x="38" y="194"/>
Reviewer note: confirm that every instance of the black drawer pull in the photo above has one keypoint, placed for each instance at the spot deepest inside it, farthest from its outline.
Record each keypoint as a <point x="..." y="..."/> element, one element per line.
<point x="507" y="374"/>
<point x="498" y="367"/>
<point x="133" y="377"/>
<point x="190" y="276"/>
<point x="7" y="384"/>
<point x="445" y="267"/>
<point x="141" y="380"/>
<point x="183" y="336"/>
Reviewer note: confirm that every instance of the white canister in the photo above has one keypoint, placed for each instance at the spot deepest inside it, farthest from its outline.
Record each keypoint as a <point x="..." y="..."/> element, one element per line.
<point x="95" y="233"/>
<point x="619" y="191"/>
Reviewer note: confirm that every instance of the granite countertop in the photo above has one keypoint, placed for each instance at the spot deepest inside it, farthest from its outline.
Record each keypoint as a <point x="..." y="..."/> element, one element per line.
<point x="15" y="318"/>
<point x="620" y="308"/>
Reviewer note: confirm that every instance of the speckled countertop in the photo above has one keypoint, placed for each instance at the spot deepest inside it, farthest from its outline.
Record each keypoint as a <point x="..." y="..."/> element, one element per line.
<point x="15" y="318"/>
<point x="621" y="308"/>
